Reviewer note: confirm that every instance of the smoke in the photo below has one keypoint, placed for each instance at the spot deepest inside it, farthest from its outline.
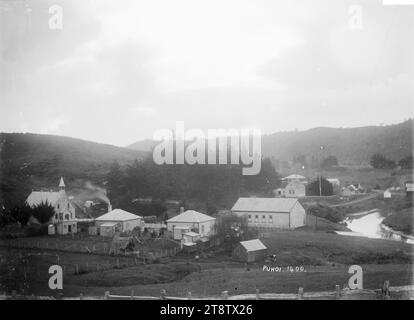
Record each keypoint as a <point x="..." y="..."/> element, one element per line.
<point x="98" y="192"/>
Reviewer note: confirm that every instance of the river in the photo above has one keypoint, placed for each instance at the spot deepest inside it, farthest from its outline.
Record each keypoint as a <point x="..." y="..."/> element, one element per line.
<point x="369" y="224"/>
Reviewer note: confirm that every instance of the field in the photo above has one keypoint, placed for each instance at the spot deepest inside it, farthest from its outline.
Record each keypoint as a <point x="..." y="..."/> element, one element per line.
<point x="325" y="257"/>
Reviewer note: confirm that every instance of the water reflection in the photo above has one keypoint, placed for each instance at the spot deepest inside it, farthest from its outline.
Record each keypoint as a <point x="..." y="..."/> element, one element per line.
<point x="369" y="224"/>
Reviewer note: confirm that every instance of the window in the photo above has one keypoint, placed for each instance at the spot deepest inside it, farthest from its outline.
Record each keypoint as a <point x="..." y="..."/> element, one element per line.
<point x="270" y="218"/>
<point x="256" y="218"/>
<point x="202" y="228"/>
<point x="249" y="217"/>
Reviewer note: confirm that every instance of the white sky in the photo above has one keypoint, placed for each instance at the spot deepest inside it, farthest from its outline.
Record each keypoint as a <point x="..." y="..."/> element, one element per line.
<point x="119" y="70"/>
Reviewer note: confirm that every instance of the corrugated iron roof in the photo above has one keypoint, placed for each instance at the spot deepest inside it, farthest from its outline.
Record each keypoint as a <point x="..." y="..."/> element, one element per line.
<point x="191" y="216"/>
<point x="118" y="215"/>
<point x="253" y="245"/>
<point x="294" y="176"/>
<point x="37" y="197"/>
<point x="264" y="204"/>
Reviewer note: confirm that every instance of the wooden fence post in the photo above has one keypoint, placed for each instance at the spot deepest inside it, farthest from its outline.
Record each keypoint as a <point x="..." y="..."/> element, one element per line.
<point x="300" y="293"/>
<point x="163" y="294"/>
<point x="225" y="295"/>
<point x="81" y="296"/>
<point x="106" y="296"/>
<point x="386" y="290"/>
<point x="257" y="294"/>
<point x="132" y="294"/>
<point x="189" y="296"/>
<point x="337" y="292"/>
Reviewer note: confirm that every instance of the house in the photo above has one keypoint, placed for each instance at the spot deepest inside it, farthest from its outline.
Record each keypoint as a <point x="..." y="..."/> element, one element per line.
<point x="64" y="220"/>
<point x="191" y="220"/>
<point x="293" y="189"/>
<point x="250" y="251"/>
<point x="335" y="182"/>
<point x="117" y="220"/>
<point x="387" y="194"/>
<point x="409" y="188"/>
<point x="352" y="189"/>
<point x="277" y="213"/>
<point x="295" y="177"/>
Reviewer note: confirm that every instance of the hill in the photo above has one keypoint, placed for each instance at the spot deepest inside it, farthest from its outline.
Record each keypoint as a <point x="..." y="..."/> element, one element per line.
<point x="351" y="146"/>
<point x="34" y="161"/>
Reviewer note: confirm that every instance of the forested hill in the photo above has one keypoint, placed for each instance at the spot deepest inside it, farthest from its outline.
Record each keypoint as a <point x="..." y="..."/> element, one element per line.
<point x="351" y="146"/>
<point x="34" y="161"/>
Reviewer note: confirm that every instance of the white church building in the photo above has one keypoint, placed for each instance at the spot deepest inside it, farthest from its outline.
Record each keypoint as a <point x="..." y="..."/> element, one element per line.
<point x="64" y="220"/>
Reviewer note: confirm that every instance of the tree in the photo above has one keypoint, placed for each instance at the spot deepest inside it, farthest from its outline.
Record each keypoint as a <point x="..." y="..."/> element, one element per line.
<point x="43" y="212"/>
<point x="21" y="213"/>
<point x="379" y="161"/>
<point x="231" y="228"/>
<point x="329" y="162"/>
<point x="406" y="163"/>
<point x="313" y="188"/>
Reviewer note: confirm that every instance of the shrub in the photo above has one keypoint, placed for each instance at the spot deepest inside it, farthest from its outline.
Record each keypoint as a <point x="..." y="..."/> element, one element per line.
<point x="36" y="230"/>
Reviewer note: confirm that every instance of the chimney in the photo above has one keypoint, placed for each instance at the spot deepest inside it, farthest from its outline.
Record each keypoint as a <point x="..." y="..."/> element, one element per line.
<point x="181" y="209"/>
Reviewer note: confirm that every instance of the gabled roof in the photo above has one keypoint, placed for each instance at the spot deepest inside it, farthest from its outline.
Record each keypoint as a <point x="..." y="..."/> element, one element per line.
<point x="253" y="245"/>
<point x="294" y="176"/>
<point x="265" y="204"/>
<point x="192" y="234"/>
<point x="37" y="197"/>
<point x="118" y="215"/>
<point x="191" y="216"/>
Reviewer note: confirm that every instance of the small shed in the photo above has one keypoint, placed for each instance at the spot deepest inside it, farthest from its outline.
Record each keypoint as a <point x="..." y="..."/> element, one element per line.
<point x="108" y="229"/>
<point x="387" y="194"/>
<point x="191" y="237"/>
<point x="178" y="232"/>
<point x="250" y="251"/>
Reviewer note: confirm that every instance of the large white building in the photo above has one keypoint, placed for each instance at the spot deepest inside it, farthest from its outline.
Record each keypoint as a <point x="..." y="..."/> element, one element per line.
<point x="64" y="219"/>
<point x="191" y="221"/>
<point x="117" y="220"/>
<point x="277" y="213"/>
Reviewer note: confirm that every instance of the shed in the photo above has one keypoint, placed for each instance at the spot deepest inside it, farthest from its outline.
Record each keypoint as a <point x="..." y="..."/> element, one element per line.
<point x="250" y="251"/>
<point x="108" y="229"/>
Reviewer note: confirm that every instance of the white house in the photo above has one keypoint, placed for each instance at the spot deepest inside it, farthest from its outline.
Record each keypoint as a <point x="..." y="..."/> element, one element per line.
<point x="117" y="220"/>
<point x="64" y="219"/>
<point x="277" y="213"/>
<point x="295" y="177"/>
<point x="293" y="189"/>
<point x="191" y="220"/>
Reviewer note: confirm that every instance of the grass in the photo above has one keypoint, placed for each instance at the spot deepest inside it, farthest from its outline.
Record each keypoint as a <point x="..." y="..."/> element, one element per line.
<point x="326" y="258"/>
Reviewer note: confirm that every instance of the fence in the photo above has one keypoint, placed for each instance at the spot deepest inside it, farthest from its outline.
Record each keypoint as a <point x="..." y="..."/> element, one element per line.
<point x="385" y="293"/>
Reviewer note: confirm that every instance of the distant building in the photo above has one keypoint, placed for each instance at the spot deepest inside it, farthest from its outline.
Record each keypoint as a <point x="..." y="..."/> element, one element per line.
<point x="295" y="177"/>
<point x="117" y="220"/>
<point x="191" y="220"/>
<point x="278" y="213"/>
<point x="250" y="251"/>
<point x="409" y="188"/>
<point x="64" y="219"/>
<point x="335" y="182"/>
<point x="387" y="194"/>
<point x="293" y="189"/>
<point x="352" y="189"/>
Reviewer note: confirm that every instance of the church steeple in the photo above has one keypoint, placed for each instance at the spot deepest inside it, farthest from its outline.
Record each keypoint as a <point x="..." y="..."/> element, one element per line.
<point x="61" y="184"/>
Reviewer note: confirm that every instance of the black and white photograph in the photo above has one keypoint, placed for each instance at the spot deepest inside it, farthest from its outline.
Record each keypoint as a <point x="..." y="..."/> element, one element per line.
<point x="188" y="150"/>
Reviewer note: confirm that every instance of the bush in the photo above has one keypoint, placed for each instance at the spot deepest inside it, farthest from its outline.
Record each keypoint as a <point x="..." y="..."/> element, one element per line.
<point x="36" y="230"/>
